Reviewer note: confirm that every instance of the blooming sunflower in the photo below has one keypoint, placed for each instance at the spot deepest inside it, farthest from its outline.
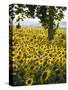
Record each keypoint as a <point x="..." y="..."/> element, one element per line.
<point x="26" y="67"/>
<point x="46" y="74"/>
<point x="41" y="61"/>
<point x="29" y="81"/>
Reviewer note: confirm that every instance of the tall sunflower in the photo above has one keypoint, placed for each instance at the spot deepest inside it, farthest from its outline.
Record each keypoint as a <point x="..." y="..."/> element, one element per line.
<point x="29" y="81"/>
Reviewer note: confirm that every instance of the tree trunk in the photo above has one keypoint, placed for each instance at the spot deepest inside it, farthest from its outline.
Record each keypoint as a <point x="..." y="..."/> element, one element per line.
<point x="50" y="29"/>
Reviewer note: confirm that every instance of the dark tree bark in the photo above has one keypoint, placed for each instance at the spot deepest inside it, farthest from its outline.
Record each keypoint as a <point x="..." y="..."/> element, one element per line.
<point x="50" y="28"/>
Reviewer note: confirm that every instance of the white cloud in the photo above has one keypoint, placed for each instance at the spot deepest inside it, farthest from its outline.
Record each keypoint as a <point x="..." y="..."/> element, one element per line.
<point x="31" y="22"/>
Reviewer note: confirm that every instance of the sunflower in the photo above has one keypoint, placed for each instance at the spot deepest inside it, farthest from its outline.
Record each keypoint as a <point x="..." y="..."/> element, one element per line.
<point x="41" y="61"/>
<point x="63" y="62"/>
<point x="27" y="60"/>
<point x="35" y="57"/>
<point x="50" y="46"/>
<point x="31" y="73"/>
<point x="17" y="56"/>
<point x="22" y="61"/>
<point x="47" y="50"/>
<point x="15" y="67"/>
<point x="36" y="68"/>
<point x="58" y="60"/>
<point x="26" y="67"/>
<point x="29" y="81"/>
<point x="50" y="61"/>
<point x="46" y="74"/>
<point x="44" y="46"/>
<point x="46" y="53"/>
<point x="32" y="67"/>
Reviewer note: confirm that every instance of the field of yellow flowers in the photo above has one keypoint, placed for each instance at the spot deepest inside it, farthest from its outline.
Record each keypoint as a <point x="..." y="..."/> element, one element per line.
<point x="35" y="60"/>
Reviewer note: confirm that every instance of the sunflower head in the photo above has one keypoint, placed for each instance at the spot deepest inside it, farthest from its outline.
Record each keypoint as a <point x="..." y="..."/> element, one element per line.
<point x="46" y="74"/>
<point x="41" y="61"/>
<point x="29" y="81"/>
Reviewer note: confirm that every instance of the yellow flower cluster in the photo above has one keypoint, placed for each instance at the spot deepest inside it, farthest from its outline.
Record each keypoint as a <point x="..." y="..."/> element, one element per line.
<point x="35" y="60"/>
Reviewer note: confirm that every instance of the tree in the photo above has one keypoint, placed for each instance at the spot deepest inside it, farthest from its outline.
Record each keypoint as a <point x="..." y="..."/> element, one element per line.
<point x="19" y="11"/>
<point x="48" y="15"/>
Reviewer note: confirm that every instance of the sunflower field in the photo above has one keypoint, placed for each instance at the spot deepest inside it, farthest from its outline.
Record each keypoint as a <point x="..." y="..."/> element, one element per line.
<point x="35" y="60"/>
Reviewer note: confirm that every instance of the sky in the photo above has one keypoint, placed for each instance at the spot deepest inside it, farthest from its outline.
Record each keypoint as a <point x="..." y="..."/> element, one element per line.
<point x="31" y="22"/>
